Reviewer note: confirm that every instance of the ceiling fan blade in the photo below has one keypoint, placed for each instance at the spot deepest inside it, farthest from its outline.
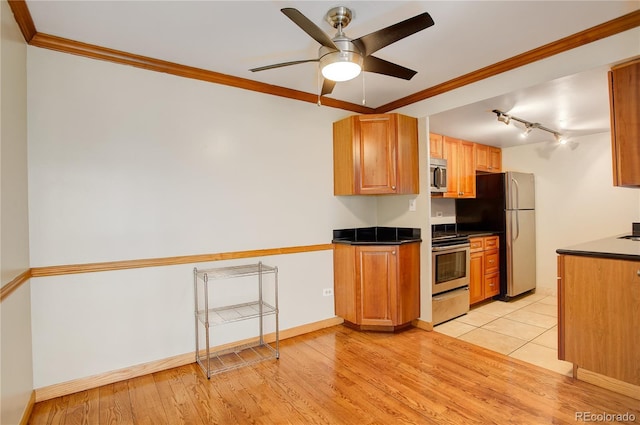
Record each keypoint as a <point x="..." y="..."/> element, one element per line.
<point x="309" y="27"/>
<point x="375" y="41"/>
<point x="381" y="66"/>
<point x="280" y="65"/>
<point x="327" y="87"/>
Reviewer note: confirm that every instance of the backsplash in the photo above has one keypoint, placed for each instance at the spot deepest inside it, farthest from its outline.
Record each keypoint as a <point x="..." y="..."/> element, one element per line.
<point x="443" y="211"/>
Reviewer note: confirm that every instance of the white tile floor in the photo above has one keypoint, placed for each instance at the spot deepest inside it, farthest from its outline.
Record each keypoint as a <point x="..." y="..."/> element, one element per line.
<point x="524" y="328"/>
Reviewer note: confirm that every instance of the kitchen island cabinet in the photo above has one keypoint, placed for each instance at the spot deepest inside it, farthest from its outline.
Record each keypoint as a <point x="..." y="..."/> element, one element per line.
<point x="624" y="97"/>
<point x="599" y="314"/>
<point x="377" y="286"/>
<point x="375" y="155"/>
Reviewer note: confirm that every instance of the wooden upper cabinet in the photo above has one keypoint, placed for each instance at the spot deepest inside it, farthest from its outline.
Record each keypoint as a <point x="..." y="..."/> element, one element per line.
<point x="375" y="154"/>
<point x="624" y="97"/>
<point x="488" y="159"/>
<point x="435" y="146"/>
<point x="461" y="176"/>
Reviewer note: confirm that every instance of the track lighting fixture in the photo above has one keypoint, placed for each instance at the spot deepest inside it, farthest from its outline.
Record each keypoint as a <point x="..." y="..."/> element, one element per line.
<point x="527" y="129"/>
<point x="528" y="126"/>
<point x="504" y="118"/>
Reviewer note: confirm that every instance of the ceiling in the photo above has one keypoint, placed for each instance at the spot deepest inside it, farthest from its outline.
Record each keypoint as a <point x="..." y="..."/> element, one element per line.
<point x="230" y="37"/>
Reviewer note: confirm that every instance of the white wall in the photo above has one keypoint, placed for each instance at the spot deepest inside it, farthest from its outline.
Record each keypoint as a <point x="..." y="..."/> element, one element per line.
<point x="129" y="164"/>
<point x="575" y="197"/>
<point x="15" y="311"/>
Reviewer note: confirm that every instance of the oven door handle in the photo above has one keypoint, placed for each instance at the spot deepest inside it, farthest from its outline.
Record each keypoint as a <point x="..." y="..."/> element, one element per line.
<point x="450" y="247"/>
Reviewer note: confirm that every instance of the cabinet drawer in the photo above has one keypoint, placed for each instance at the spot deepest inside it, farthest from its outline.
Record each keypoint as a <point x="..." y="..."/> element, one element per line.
<point x="477" y="244"/>
<point x="491" y="242"/>
<point x="491" y="264"/>
<point x="491" y="284"/>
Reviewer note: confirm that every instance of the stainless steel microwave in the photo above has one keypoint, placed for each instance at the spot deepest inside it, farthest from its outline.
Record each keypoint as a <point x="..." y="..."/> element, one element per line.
<point x="438" y="175"/>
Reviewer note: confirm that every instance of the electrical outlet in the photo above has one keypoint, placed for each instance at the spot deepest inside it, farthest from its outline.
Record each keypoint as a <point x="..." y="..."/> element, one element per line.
<point x="412" y="204"/>
<point x="327" y="292"/>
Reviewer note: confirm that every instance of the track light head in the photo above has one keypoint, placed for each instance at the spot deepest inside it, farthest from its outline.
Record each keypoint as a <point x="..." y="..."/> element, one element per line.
<point x="504" y="118"/>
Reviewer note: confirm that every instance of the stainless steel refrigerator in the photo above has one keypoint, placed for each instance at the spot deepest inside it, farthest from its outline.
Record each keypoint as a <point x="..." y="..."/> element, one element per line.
<point x="505" y="203"/>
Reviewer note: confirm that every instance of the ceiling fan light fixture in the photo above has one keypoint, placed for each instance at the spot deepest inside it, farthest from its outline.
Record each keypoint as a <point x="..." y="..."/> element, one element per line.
<point x="341" y="65"/>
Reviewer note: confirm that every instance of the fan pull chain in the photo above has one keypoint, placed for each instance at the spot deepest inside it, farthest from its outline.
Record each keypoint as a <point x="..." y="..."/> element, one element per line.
<point x="319" y="86"/>
<point x="364" y="92"/>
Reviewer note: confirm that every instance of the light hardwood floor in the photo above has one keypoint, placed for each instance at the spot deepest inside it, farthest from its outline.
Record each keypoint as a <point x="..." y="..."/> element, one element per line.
<point x="340" y="376"/>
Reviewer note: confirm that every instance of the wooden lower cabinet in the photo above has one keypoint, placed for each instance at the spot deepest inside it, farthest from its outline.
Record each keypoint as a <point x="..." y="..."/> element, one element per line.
<point x="484" y="273"/>
<point x="599" y="316"/>
<point x="377" y="286"/>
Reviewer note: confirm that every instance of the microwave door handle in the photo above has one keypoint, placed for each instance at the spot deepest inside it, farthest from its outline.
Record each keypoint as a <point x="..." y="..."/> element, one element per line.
<point x="441" y="177"/>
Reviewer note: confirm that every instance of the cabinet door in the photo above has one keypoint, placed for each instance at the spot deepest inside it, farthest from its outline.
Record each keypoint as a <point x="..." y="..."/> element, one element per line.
<point x="376" y="154"/>
<point x="467" y="169"/>
<point x="435" y="146"/>
<point x="377" y="279"/>
<point x="408" y="284"/>
<point x="483" y="158"/>
<point x="450" y="153"/>
<point x="599" y="315"/>
<point x="344" y="282"/>
<point x="624" y="89"/>
<point x="476" y="277"/>
<point x="461" y="166"/>
<point x="495" y="160"/>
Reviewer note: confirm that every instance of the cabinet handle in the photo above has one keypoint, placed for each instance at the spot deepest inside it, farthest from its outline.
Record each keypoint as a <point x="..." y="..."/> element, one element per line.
<point x="638" y="272"/>
<point x="394" y="253"/>
<point x="393" y="187"/>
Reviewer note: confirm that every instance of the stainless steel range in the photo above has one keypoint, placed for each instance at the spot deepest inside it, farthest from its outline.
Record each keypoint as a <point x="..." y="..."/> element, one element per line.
<point x="450" y="278"/>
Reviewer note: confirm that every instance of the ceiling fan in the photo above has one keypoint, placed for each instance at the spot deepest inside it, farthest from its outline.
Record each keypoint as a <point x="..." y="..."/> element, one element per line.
<point x="342" y="58"/>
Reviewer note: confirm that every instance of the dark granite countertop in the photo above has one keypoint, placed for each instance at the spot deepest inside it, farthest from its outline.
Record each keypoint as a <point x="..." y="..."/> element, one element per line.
<point x="479" y="233"/>
<point x="615" y="247"/>
<point x="376" y="236"/>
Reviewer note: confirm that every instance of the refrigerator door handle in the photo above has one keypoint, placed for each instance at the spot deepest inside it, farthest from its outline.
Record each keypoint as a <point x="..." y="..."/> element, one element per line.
<point x="517" y="193"/>
<point x="517" y="206"/>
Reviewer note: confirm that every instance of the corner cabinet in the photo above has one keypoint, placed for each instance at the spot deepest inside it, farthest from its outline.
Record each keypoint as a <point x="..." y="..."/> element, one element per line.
<point x="221" y="300"/>
<point x="624" y="97"/>
<point x="377" y="287"/>
<point x="375" y="155"/>
<point x="599" y="318"/>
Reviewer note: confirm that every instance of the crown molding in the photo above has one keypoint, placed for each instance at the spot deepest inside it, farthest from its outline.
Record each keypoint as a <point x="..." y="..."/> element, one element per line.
<point x="34" y="38"/>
